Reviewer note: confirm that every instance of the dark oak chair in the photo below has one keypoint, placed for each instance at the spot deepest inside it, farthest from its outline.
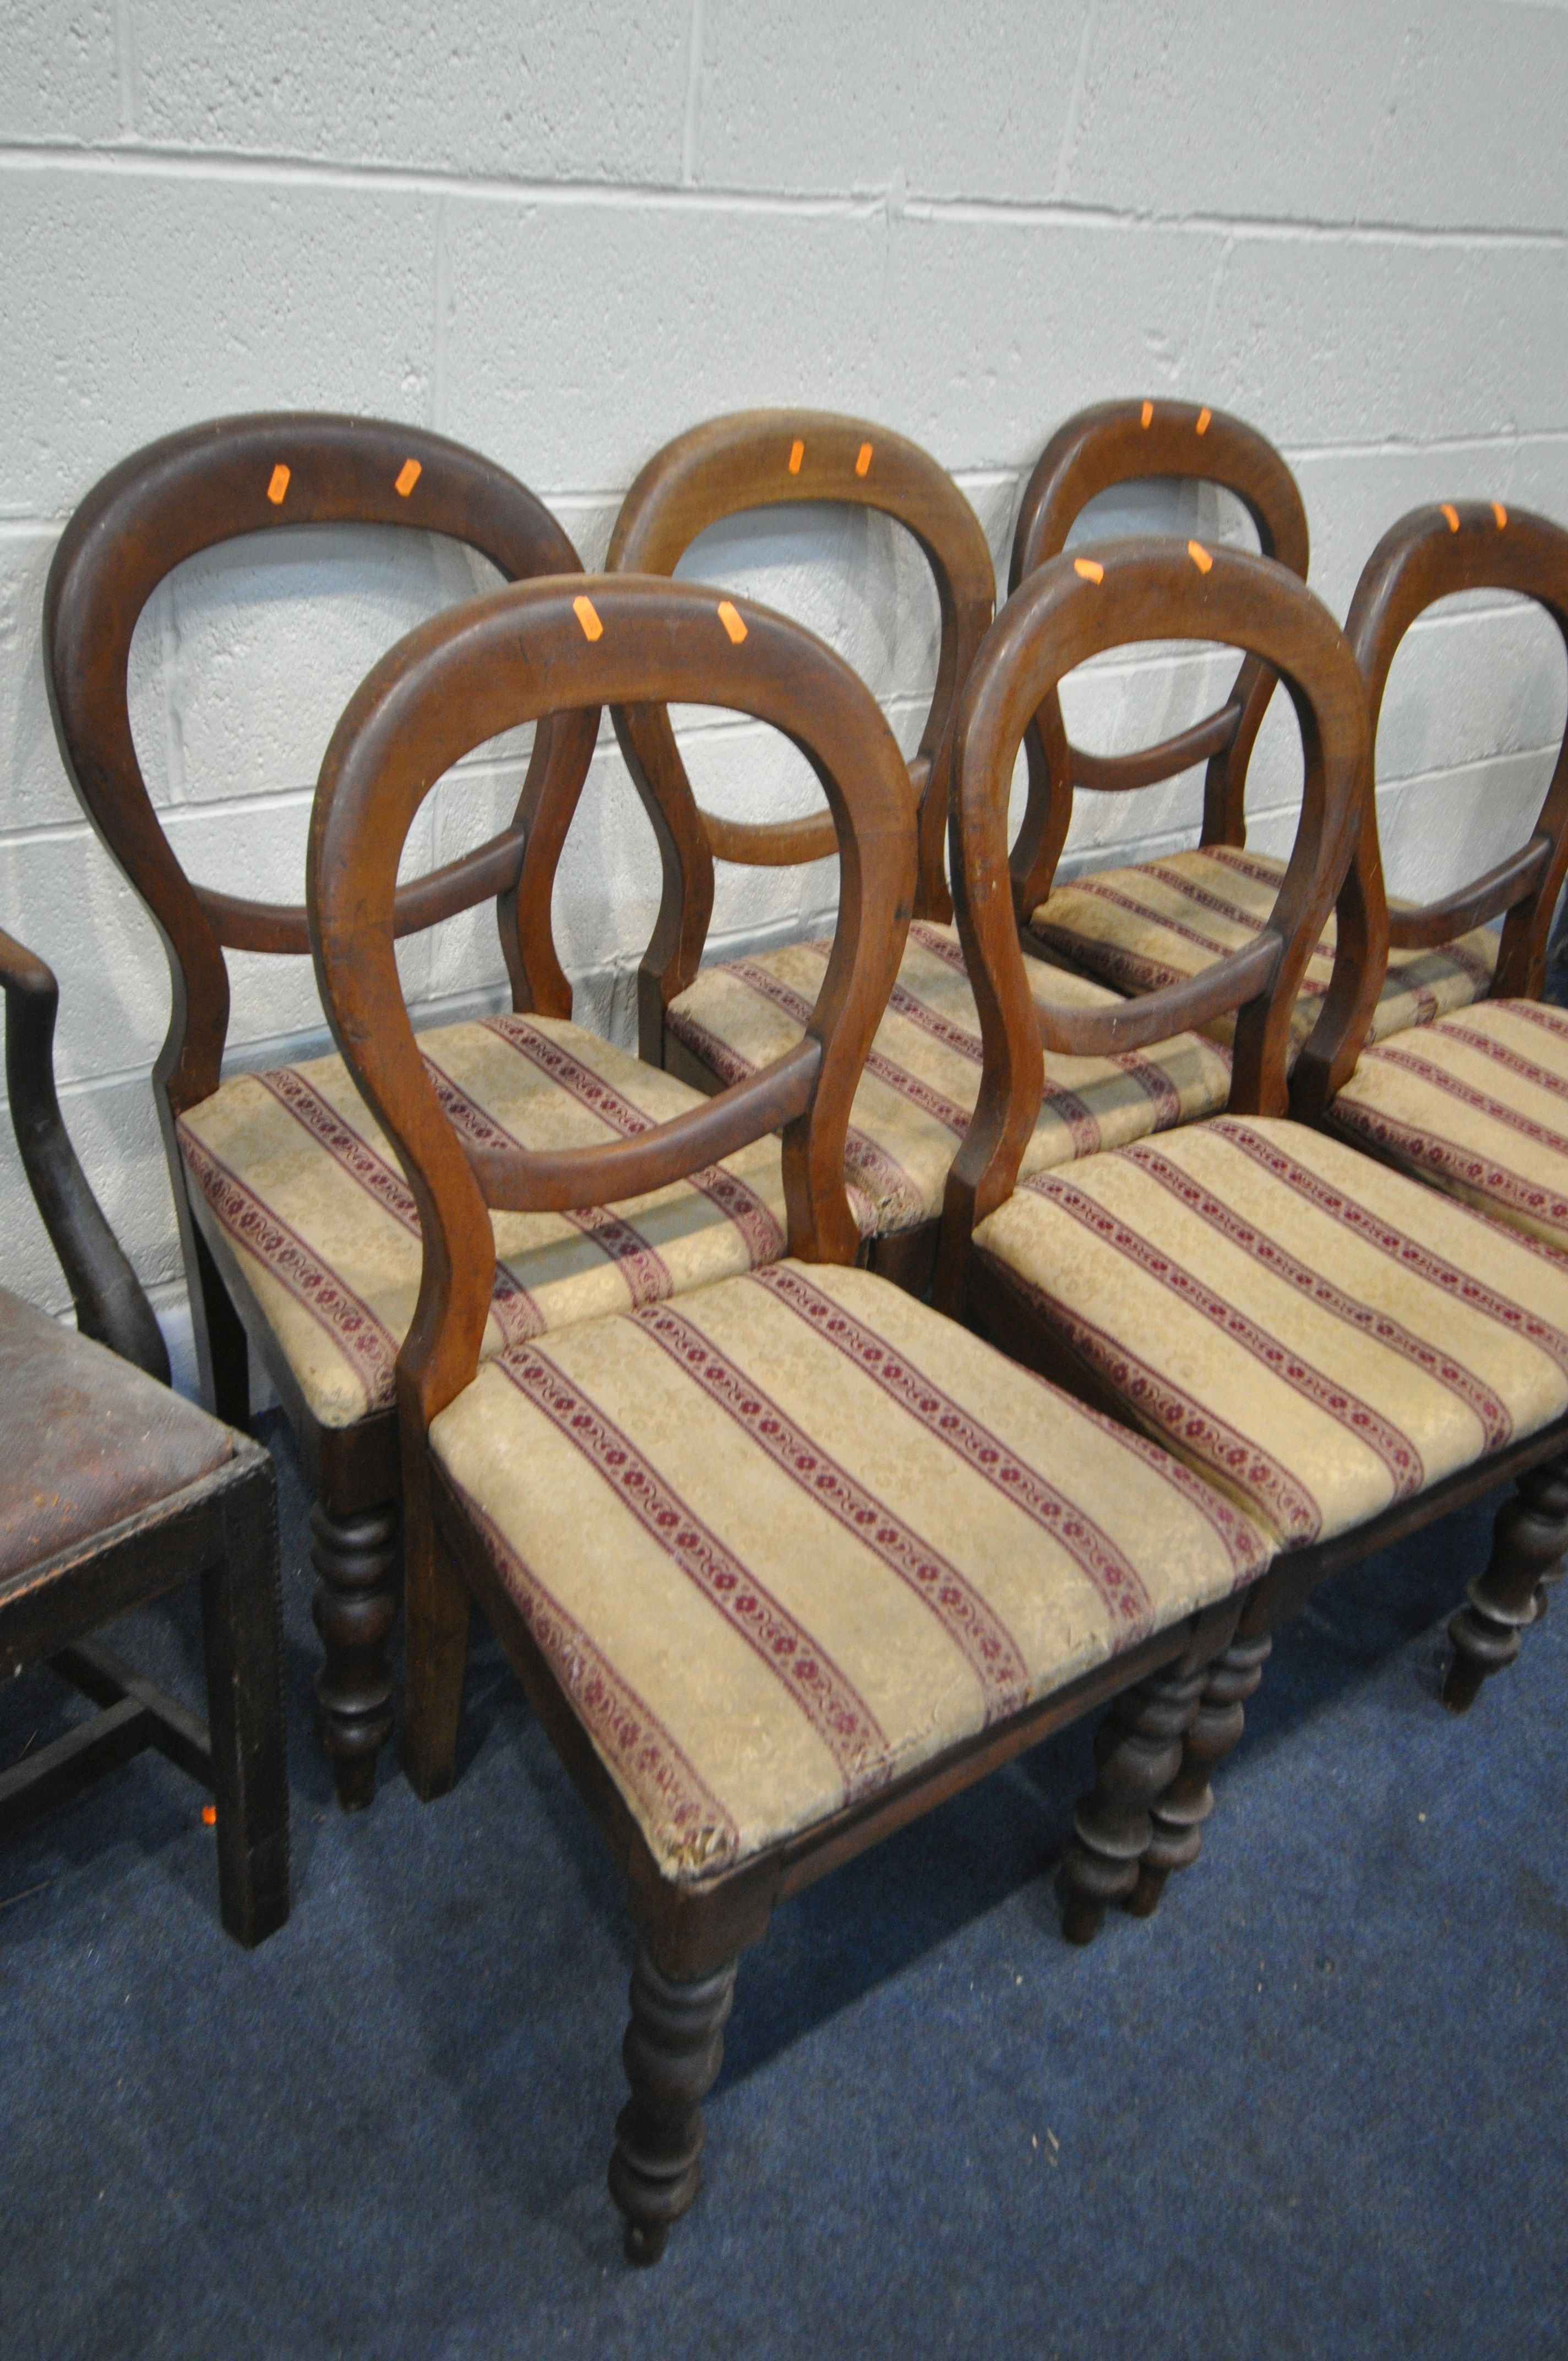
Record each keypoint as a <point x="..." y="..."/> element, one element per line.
<point x="297" y="1230"/>
<point x="1158" y="921"/>
<point x="113" y="1492"/>
<point x="1476" y="1103"/>
<point x="1347" y="1354"/>
<point x="718" y="1024"/>
<point x="787" y="1561"/>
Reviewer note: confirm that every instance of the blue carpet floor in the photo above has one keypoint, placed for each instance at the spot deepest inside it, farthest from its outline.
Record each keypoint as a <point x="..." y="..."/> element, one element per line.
<point x="1317" y="2106"/>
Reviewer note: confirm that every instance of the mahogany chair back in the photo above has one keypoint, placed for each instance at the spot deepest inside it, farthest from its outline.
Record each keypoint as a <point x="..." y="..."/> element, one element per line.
<point x="516" y="656"/>
<point x="1428" y="554"/>
<point x="1071" y="609"/>
<point x="264" y="474"/>
<point x="767" y="458"/>
<point x="1119" y="443"/>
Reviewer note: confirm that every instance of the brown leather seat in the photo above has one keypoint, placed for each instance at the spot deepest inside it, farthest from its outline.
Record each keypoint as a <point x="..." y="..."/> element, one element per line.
<point x="88" y="1440"/>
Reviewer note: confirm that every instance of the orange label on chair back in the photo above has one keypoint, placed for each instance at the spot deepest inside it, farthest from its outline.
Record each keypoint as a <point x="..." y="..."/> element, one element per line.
<point x="1088" y="569"/>
<point x="279" y="485"/>
<point x="584" y="612"/>
<point x="1451" y="514"/>
<point x="407" y="477"/>
<point x="1500" y="512"/>
<point x="796" y="453"/>
<point x="1148" y="413"/>
<point x="1203" y="418"/>
<point x="731" y="623"/>
<point x="1200" y="556"/>
<point x="864" y="460"/>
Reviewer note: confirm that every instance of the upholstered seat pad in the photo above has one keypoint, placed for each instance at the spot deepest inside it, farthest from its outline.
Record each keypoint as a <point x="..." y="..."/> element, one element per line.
<point x="1478" y="1103"/>
<point x="785" y="1540"/>
<point x="1319" y="1333"/>
<point x="921" y="1079"/>
<point x="1166" y="919"/>
<point x="314" y="1204"/>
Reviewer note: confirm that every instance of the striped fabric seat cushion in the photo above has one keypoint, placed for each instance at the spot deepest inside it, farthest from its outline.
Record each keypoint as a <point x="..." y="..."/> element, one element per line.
<point x="1479" y="1105"/>
<point x="922" y="1078"/>
<point x="1167" y="919"/>
<point x="791" y="1536"/>
<point x="315" y="1206"/>
<point x="1320" y="1334"/>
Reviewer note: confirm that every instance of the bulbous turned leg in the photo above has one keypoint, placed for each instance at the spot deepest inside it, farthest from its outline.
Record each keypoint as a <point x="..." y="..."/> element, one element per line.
<point x="354" y="1606"/>
<point x="1529" y="1539"/>
<point x="1179" y="1814"/>
<point x="673" y="2050"/>
<point x="1138" y="1754"/>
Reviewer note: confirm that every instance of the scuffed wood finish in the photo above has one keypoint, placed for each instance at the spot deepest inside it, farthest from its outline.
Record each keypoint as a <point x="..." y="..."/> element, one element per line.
<point x="1061" y="616"/>
<point x="1118" y="442"/>
<point x="765" y="458"/>
<point x="1429" y="555"/>
<point x="210" y="484"/>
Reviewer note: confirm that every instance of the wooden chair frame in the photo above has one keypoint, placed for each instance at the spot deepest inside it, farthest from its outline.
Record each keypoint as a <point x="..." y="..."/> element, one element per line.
<point x="769" y="459"/>
<point x="491" y="666"/>
<point x="1118" y="442"/>
<point x="210" y="484"/>
<point x="1432" y="554"/>
<point x="221" y="1530"/>
<point x="1157" y="1751"/>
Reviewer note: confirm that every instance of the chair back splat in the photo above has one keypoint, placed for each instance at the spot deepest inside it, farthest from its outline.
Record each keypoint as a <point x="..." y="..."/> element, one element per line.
<point x="1119" y="443"/>
<point x="1066" y="612"/>
<point x="765" y="458"/>
<point x="495" y="664"/>
<point x="1432" y="554"/>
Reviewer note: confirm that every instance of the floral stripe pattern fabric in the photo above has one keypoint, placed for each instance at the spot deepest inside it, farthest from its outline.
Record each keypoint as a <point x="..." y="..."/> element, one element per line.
<point x="1169" y="919"/>
<point x="1316" y="1334"/>
<point x="922" y="1078"/>
<point x="789" y="1537"/>
<point x="316" y="1209"/>
<point x="1479" y="1106"/>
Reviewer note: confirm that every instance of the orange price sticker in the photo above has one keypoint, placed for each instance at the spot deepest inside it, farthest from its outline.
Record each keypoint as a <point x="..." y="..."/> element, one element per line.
<point x="586" y="614"/>
<point x="1088" y="569"/>
<point x="208" y="1816"/>
<point x="1200" y="556"/>
<point x="864" y="460"/>
<point x="796" y="453"/>
<point x="1148" y="413"/>
<point x="407" y="477"/>
<point x="1451" y="514"/>
<point x="731" y="623"/>
<point x="279" y="485"/>
<point x="1500" y="512"/>
<point x="1203" y="418"/>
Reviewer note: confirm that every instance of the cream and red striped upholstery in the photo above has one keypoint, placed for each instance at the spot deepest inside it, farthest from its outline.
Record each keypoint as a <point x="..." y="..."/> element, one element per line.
<point x="315" y="1206"/>
<point x="922" y="1078"/>
<point x="1477" y="1104"/>
<point x="1319" y="1334"/>
<point x="787" y="1538"/>
<point x="1166" y="919"/>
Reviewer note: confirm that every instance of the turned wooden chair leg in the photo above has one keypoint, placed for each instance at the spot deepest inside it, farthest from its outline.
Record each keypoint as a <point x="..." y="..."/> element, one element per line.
<point x="355" y="1607"/>
<point x="1528" y="1541"/>
<point x="673" y="2051"/>
<point x="1179" y="1814"/>
<point x="1138" y="1754"/>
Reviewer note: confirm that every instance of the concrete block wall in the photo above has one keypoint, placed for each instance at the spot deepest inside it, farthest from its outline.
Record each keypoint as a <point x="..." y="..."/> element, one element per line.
<point x="564" y="234"/>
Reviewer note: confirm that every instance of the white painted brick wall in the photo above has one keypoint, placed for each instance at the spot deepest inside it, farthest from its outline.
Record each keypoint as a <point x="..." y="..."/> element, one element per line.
<point x="564" y="235"/>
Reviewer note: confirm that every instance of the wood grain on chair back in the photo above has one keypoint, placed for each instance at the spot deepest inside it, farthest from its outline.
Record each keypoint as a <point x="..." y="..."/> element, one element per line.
<point x="515" y="657"/>
<point x="1119" y="443"/>
<point x="210" y="484"/>
<point x="765" y="458"/>
<point x="1105" y="596"/>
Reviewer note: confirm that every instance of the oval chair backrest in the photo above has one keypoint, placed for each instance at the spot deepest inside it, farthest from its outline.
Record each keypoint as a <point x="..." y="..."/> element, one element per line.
<point x="767" y="458"/>
<point x="493" y="664"/>
<point x="210" y="484"/>
<point x="1120" y="443"/>
<point x="1103" y="597"/>
<point x="1430" y="554"/>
